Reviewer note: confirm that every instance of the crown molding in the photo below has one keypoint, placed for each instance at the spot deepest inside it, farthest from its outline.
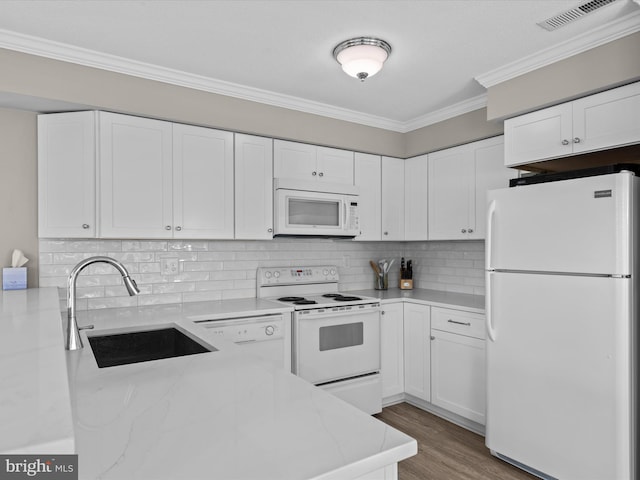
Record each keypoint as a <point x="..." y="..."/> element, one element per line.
<point x="446" y="113"/>
<point x="594" y="38"/>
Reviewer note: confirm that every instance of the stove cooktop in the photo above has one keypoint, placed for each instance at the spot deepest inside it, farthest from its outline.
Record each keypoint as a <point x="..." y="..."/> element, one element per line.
<point x="324" y="300"/>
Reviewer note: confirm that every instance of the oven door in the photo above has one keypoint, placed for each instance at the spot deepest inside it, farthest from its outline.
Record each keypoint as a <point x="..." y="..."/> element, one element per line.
<point x="336" y="346"/>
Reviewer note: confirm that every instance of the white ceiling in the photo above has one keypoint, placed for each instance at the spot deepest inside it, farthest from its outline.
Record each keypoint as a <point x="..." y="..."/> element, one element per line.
<point x="279" y="51"/>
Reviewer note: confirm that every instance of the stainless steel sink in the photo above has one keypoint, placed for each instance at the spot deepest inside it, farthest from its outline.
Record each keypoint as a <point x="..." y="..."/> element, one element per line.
<point x="143" y="346"/>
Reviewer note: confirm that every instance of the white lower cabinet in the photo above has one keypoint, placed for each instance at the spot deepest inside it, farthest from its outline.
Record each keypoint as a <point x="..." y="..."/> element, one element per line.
<point x="392" y="351"/>
<point x="458" y="363"/>
<point x="417" y="351"/>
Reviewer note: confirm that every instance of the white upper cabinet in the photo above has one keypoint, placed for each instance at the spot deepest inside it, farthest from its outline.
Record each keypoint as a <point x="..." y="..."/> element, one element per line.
<point x="202" y="183"/>
<point x="392" y="198"/>
<point x="253" y="187"/>
<point x="368" y="180"/>
<point x="135" y="177"/>
<point x="605" y="120"/>
<point x="459" y="179"/>
<point x="301" y="161"/>
<point x="416" y="198"/>
<point x="164" y="180"/>
<point x="66" y="175"/>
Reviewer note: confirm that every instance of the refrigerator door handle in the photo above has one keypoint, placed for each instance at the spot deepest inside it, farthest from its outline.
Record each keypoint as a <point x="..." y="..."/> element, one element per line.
<point x="490" y="214"/>
<point x="491" y="333"/>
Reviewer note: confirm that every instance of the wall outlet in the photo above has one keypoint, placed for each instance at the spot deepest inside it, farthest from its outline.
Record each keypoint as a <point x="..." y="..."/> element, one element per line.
<point x="170" y="266"/>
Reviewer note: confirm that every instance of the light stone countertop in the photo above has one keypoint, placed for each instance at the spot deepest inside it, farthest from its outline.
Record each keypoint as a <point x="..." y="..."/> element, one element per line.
<point x="436" y="298"/>
<point x="219" y="415"/>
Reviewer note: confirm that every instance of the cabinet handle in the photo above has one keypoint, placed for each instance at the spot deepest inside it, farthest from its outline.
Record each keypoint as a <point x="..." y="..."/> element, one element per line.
<point x="269" y="230"/>
<point x="468" y="324"/>
<point x="464" y="230"/>
<point x="432" y="337"/>
<point x="85" y="225"/>
<point x="576" y="140"/>
<point x="565" y="142"/>
<point x="178" y="228"/>
<point x="168" y="227"/>
<point x="321" y="174"/>
<point x="314" y="173"/>
<point x="470" y="230"/>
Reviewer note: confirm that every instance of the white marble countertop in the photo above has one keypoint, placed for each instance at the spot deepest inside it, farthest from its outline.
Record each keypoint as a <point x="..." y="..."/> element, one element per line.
<point x="436" y="298"/>
<point x="219" y="415"/>
<point x="35" y="406"/>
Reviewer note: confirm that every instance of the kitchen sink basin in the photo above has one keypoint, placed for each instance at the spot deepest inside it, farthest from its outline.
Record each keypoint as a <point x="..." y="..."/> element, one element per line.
<point x="143" y="346"/>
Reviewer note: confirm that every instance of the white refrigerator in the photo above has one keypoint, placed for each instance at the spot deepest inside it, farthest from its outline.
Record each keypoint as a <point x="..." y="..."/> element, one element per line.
<point x="562" y="327"/>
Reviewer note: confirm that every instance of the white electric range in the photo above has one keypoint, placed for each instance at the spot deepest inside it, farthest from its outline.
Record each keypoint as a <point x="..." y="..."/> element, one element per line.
<point x="335" y="336"/>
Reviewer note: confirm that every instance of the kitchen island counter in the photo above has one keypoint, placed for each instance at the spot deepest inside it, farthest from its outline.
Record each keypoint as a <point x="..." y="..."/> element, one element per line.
<point x="218" y="415"/>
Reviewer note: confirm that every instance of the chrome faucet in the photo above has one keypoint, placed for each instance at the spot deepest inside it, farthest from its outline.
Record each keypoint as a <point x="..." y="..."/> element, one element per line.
<point x="73" y="340"/>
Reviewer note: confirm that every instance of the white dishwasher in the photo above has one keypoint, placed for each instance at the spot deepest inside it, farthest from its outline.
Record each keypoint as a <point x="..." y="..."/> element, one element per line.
<point x="265" y="336"/>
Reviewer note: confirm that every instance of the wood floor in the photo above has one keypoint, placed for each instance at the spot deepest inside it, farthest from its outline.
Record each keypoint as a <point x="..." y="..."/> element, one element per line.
<point x="445" y="451"/>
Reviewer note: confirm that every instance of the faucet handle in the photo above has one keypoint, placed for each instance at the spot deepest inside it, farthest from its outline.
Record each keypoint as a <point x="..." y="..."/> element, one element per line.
<point x="87" y="327"/>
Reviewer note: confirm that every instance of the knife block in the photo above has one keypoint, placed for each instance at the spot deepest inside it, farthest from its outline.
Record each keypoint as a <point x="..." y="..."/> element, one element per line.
<point x="406" y="284"/>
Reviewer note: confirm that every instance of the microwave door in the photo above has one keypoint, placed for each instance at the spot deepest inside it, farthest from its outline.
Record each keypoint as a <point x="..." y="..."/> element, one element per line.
<point x="310" y="213"/>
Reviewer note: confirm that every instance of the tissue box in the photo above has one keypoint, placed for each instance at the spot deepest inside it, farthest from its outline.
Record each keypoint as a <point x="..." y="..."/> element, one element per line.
<point x="14" y="278"/>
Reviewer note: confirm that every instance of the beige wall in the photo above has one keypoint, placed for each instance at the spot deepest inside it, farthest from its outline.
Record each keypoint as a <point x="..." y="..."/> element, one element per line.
<point x="18" y="187"/>
<point x="454" y="131"/>
<point x="99" y="89"/>
<point x="609" y="65"/>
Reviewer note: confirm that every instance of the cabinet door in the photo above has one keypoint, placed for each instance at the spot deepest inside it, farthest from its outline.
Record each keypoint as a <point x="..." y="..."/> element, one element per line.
<point x="202" y="182"/>
<point x="368" y="180"/>
<point x="451" y="193"/>
<point x="66" y="175"/>
<point x="294" y="160"/>
<point x="490" y="174"/>
<point x="608" y="119"/>
<point x="416" y="198"/>
<point x="538" y="135"/>
<point x="334" y="165"/>
<point x="135" y="177"/>
<point x="254" y="187"/>
<point x="417" y="351"/>
<point x="458" y="374"/>
<point x="392" y="198"/>
<point x="392" y="349"/>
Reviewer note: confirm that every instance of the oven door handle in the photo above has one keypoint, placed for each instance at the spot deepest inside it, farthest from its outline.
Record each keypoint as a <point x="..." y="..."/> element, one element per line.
<point x="335" y="314"/>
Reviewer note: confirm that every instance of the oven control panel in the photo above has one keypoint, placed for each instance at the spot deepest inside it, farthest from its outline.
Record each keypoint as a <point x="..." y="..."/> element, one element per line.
<point x="297" y="275"/>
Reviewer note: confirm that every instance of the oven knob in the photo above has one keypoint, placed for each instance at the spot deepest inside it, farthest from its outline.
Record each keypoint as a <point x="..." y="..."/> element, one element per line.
<point x="269" y="330"/>
<point x="267" y="274"/>
<point x="276" y="274"/>
<point x="325" y="272"/>
<point x="333" y="271"/>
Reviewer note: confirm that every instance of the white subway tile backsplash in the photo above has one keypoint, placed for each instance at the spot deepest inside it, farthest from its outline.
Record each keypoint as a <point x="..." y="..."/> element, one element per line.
<point x="215" y="270"/>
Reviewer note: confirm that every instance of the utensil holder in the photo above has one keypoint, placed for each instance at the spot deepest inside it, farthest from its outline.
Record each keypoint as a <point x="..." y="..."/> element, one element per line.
<point x="381" y="281"/>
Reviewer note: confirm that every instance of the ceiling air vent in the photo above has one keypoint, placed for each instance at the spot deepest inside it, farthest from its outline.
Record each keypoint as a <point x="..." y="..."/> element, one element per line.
<point x="573" y="14"/>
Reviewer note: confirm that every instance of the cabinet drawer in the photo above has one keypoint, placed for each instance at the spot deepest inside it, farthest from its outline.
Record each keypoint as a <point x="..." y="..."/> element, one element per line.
<point x="457" y="321"/>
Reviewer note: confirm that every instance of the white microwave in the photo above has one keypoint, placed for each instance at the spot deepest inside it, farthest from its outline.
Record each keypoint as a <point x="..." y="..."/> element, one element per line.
<point x="300" y="211"/>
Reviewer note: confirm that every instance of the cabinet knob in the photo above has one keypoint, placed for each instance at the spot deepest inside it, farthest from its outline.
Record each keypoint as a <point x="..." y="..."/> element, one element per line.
<point x="314" y="173"/>
<point x="386" y="233"/>
<point x="321" y="174"/>
<point x="85" y="225"/>
<point x="168" y="227"/>
<point x="470" y="230"/>
<point x="565" y="142"/>
<point x="178" y="228"/>
<point x="432" y="337"/>
<point x="576" y="140"/>
<point x="464" y="230"/>
<point x="269" y="230"/>
<point x="382" y="312"/>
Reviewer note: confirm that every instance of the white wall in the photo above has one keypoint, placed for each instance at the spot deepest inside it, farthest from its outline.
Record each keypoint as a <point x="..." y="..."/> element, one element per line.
<point x="215" y="270"/>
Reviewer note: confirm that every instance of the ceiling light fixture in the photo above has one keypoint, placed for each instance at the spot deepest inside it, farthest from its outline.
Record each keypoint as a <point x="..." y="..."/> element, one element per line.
<point x="362" y="57"/>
